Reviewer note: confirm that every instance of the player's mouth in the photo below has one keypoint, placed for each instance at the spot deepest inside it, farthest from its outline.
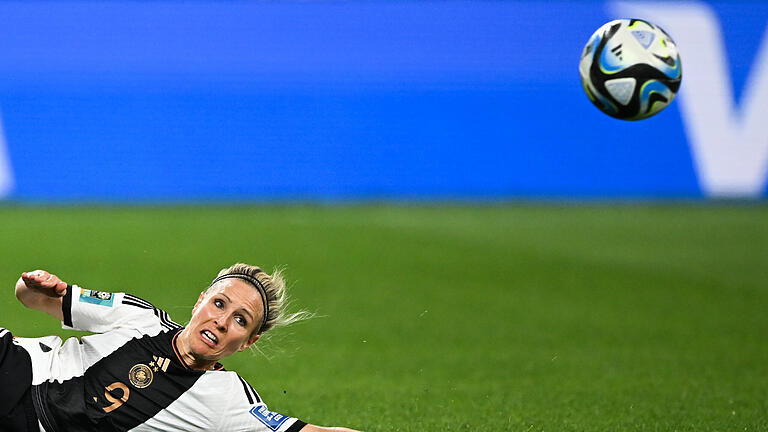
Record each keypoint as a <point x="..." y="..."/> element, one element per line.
<point x="209" y="338"/>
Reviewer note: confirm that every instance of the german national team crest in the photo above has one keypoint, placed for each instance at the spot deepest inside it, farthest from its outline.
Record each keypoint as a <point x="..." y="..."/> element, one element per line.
<point x="97" y="297"/>
<point x="140" y="376"/>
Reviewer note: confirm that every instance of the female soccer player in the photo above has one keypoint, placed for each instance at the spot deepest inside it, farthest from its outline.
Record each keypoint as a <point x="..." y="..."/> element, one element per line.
<point x="140" y="371"/>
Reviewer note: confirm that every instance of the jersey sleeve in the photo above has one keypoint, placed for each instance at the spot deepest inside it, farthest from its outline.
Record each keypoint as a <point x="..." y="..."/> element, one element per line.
<point x="248" y="413"/>
<point x="101" y="312"/>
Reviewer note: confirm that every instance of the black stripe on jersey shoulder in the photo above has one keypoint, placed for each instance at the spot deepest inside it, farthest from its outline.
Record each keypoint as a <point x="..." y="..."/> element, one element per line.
<point x="245" y="389"/>
<point x="138" y="301"/>
<point x="168" y="323"/>
<point x="296" y="426"/>
<point x="249" y="391"/>
<point x="133" y="303"/>
<point x="165" y="321"/>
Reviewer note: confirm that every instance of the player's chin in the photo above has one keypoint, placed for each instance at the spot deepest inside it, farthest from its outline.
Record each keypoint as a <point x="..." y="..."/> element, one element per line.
<point x="203" y="351"/>
<point x="225" y="353"/>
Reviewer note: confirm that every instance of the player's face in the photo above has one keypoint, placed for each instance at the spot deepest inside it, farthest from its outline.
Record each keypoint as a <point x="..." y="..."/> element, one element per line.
<point x="224" y="321"/>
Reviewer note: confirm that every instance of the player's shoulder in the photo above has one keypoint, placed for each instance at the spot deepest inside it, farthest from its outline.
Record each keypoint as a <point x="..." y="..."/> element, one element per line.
<point x="243" y="408"/>
<point x="138" y="303"/>
<point x="241" y="390"/>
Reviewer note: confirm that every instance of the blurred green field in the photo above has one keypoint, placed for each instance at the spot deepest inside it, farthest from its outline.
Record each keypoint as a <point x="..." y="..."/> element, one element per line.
<point x="453" y="318"/>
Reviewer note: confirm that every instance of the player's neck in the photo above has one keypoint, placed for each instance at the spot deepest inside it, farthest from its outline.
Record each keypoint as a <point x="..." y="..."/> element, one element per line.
<point x="187" y="358"/>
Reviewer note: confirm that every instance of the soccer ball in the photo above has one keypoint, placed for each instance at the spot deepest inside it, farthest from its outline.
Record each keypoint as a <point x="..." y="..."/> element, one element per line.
<point x="630" y="69"/>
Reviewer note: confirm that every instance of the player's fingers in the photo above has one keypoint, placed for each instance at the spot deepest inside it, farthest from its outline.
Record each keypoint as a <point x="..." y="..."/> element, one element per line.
<point x="61" y="288"/>
<point x="37" y="275"/>
<point x="30" y="277"/>
<point x="51" y="280"/>
<point x="40" y="279"/>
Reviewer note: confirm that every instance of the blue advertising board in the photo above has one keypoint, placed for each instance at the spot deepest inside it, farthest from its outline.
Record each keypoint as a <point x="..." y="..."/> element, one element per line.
<point x="335" y="100"/>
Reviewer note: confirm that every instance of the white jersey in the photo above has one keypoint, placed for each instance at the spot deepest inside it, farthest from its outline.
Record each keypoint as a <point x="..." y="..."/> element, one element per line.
<point x="129" y="376"/>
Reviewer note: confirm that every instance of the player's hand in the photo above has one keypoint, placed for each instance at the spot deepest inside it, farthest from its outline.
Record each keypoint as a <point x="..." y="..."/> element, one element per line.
<point x="45" y="283"/>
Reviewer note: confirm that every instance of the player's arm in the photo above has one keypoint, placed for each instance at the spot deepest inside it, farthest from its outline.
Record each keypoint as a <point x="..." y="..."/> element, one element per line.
<point x="42" y="291"/>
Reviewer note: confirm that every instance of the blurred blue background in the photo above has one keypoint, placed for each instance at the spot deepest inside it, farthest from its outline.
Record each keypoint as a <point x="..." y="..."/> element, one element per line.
<point x="335" y="100"/>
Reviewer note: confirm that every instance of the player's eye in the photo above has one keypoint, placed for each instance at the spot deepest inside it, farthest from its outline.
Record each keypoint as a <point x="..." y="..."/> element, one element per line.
<point x="240" y="320"/>
<point x="218" y="303"/>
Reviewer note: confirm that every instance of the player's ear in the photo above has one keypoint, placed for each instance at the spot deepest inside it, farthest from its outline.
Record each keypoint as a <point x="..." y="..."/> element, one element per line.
<point x="251" y="340"/>
<point x="199" y="300"/>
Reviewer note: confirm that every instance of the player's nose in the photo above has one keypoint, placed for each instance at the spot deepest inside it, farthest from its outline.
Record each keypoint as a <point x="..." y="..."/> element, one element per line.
<point x="219" y="322"/>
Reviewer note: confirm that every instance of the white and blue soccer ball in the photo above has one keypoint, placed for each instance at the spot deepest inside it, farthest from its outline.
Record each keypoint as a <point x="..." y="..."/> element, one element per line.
<point x="630" y="69"/>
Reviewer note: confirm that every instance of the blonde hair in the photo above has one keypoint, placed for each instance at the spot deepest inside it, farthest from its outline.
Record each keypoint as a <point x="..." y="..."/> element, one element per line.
<point x="275" y="290"/>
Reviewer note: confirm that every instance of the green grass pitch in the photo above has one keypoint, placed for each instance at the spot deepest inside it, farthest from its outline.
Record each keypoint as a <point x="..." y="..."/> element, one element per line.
<point x="453" y="318"/>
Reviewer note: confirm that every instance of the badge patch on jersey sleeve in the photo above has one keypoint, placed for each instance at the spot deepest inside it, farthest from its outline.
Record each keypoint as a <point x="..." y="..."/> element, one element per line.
<point x="272" y="420"/>
<point x="97" y="297"/>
